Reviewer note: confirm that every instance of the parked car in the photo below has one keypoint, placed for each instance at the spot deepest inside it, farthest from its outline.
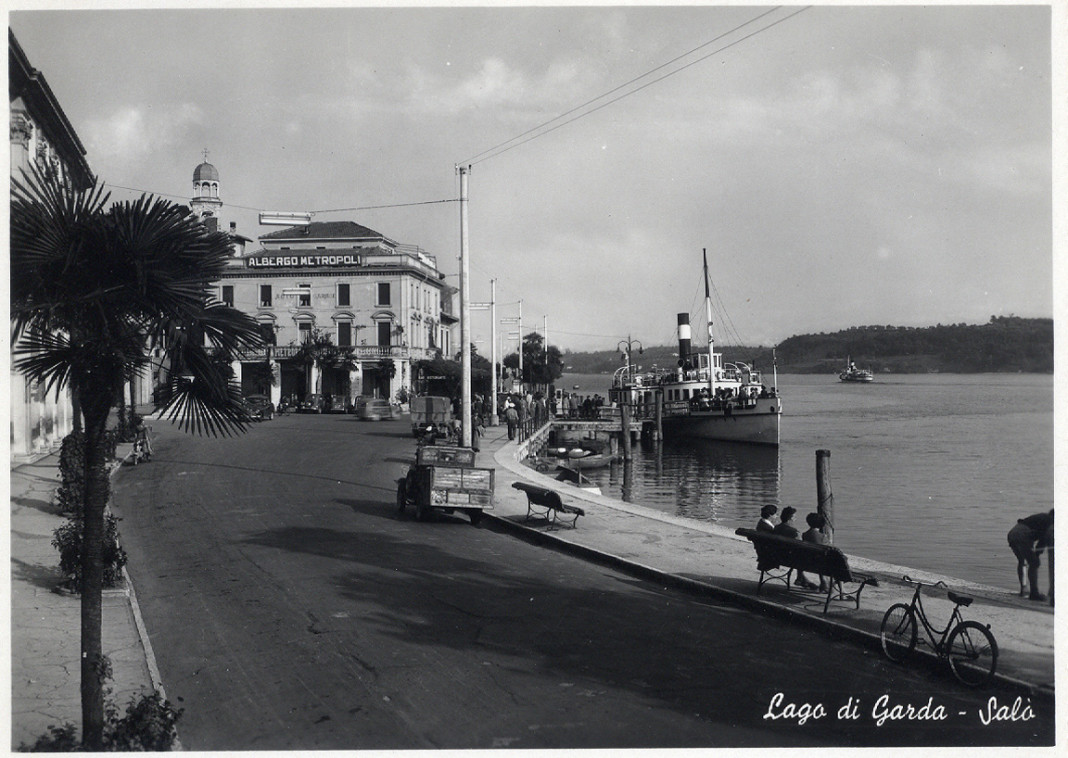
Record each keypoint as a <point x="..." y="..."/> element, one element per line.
<point x="376" y="410"/>
<point x="337" y="403"/>
<point x="259" y="407"/>
<point x="312" y="404"/>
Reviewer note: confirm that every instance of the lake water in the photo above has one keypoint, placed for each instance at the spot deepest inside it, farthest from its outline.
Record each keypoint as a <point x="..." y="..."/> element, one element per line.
<point x="929" y="471"/>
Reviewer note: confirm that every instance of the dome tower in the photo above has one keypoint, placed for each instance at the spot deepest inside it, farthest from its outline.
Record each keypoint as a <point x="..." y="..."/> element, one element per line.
<point x="205" y="201"/>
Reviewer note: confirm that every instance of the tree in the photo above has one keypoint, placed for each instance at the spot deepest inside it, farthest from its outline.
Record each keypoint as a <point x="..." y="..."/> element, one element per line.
<point x="93" y="288"/>
<point x="539" y="366"/>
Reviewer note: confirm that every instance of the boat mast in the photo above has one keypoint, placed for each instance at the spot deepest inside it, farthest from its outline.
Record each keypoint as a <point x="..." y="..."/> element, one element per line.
<point x="708" y="320"/>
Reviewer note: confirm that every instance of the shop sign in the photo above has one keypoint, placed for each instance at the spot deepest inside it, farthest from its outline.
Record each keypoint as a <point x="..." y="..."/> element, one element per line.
<point x="301" y="261"/>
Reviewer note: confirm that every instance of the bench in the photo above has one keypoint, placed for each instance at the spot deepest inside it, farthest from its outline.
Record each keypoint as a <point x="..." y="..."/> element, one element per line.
<point x="545" y="503"/>
<point x="788" y="555"/>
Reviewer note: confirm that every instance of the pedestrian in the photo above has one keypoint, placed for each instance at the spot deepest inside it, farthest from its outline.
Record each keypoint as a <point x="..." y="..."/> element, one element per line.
<point x="1028" y="539"/>
<point x="511" y="418"/>
<point x="1049" y="550"/>
<point x="476" y="433"/>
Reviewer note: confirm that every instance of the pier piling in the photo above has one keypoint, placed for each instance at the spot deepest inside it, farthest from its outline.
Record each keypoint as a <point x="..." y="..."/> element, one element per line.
<point x="824" y="496"/>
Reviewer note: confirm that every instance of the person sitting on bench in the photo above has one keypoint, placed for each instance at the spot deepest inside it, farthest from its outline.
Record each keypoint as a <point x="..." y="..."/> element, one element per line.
<point x="813" y="534"/>
<point x="765" y="524"/>
<point x="786" y="528"/>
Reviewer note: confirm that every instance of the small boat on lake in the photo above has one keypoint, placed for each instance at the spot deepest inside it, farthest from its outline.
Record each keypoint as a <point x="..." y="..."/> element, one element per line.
<point x="854" y="374"/>
<point x="704" y="397"/>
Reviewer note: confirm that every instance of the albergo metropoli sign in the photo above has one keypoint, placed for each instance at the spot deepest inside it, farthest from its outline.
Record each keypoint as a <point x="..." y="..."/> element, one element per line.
<point x="301" y="261"/>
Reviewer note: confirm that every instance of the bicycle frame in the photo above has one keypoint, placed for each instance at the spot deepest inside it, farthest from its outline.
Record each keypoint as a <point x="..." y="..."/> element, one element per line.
<point x="930" y="629"/>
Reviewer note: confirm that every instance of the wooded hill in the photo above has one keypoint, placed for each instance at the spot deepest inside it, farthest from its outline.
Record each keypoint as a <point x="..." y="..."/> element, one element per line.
<point x="1005" y="344"/>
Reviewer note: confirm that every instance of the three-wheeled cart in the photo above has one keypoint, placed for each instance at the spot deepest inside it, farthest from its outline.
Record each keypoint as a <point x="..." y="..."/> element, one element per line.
<point x="445" y="478"/>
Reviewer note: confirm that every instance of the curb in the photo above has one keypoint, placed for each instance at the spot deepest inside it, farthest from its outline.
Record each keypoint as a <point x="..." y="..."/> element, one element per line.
<point x="139" y="621"/>
<point x="827" y="626"/>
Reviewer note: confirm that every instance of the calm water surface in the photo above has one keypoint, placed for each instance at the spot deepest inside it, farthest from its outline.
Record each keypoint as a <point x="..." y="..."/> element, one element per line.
<point x="927" y="470"/>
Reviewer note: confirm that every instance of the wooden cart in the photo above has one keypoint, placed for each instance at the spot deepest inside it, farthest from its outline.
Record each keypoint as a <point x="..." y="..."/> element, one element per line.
<point x="445" y="478"/>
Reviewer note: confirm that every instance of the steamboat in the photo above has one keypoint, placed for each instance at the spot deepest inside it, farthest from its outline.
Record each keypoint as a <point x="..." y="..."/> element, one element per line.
<point x="704" y="397"/>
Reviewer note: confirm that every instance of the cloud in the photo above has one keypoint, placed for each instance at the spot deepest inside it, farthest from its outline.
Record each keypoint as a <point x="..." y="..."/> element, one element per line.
<point x="130" y="133"/>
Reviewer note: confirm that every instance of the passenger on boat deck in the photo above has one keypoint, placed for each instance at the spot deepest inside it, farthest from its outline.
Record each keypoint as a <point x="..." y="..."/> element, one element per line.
<point x="765" y="524"/>
<point x="1028" y="539"/>
<point x="813" y="534"/>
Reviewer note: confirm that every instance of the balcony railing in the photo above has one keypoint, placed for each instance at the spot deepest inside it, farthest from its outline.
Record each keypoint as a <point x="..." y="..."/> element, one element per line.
<point x="362" y="352"/>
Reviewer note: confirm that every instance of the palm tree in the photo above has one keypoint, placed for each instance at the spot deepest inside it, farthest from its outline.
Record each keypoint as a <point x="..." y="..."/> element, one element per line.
<point x="92" y="289"/>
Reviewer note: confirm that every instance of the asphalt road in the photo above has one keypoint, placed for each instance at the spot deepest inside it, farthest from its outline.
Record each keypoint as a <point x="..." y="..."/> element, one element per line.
<point x="290" y="607"/>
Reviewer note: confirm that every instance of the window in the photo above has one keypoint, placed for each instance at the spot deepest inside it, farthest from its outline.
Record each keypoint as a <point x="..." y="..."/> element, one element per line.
<point x="228" y="295"/>
<point x="304" y="298"/>
<point x="383" y="294"/>
<point x="383" y="331"/>
<point x="343" y="295"/>
<point x="304" y="329"/>
<point x="265" y="296"/>
<point x="267" y="332"/>
<point x="344" y="333"/>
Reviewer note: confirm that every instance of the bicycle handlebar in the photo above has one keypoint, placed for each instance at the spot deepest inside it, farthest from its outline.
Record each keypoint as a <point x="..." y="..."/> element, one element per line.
<point x="910" y="580"/>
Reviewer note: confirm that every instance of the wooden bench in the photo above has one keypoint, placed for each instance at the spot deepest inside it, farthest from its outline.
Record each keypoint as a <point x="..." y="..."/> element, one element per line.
<point x="788" y="555"/>
<point x="545" y="503"/>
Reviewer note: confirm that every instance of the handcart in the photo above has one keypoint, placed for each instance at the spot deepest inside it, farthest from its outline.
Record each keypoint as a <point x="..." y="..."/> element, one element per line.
<point x="445" y="478"/>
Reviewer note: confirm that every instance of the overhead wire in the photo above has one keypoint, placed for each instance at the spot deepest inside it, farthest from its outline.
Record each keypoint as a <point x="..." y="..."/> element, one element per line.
<point x="478" y="157"/>
<point x="494" y="152"/>
<point x="260" y="209"/>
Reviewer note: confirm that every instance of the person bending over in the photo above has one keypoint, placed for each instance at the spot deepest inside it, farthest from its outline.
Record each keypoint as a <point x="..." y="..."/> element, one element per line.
<point x="1027" y="540"/>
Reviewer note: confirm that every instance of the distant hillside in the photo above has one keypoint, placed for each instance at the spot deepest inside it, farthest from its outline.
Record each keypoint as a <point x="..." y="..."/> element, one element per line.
<point x="1005" y="344"/>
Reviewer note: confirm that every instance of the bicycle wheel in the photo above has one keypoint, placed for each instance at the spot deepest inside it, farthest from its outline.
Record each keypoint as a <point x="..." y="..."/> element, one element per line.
<point x="972" y="652"/>
<point x="898" y="632"/>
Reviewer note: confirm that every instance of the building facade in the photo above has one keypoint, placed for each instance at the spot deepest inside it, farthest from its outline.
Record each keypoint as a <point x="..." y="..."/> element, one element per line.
<point x="41" y="136"/>
<point x="346" y="310"/>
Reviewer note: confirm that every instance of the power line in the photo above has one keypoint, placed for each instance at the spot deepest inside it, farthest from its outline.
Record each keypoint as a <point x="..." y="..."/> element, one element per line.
<point x="500" y="149"/>
<point x="395" y="205"/>
<point x="248" y="208"/>
<point x="476" y="158"/>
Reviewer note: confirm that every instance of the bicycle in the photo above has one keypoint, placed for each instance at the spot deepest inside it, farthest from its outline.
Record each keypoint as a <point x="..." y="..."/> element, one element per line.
<point x="967" y="646"/>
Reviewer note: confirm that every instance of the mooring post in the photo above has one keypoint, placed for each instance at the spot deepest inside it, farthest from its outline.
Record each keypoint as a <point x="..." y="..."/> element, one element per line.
<point x="659" y="415"/>
<point x="625" y="415"/>
<point x="824" y="496"/>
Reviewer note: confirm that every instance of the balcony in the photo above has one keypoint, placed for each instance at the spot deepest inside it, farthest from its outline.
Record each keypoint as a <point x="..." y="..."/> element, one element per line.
<point x="362" y="352"/>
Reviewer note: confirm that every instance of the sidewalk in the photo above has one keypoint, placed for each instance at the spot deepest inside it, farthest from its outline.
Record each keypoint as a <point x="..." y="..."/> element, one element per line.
<point x="46" y="625"/>
<point x="711" y="559"/>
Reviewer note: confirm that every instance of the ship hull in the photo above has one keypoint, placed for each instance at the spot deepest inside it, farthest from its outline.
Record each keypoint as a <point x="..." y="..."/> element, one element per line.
<point x="757" y="427"/>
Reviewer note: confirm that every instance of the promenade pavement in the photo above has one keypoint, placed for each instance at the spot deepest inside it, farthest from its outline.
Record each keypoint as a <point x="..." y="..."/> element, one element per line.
<point x="694" y="556"/>
<point x="712" y="559"/>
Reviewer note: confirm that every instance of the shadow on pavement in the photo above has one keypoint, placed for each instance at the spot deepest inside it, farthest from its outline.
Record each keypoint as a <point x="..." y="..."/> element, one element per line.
<point x="556" y="619"/>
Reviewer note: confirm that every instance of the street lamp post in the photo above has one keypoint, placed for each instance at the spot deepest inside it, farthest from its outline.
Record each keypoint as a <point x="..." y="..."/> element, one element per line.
<point x="626" y="347"/>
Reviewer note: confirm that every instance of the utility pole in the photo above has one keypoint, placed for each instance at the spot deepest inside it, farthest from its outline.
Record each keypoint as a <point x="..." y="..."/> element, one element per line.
<point x="493" y="374"/>
<point x="521" y="388"/>
<point x="465" y="315"/>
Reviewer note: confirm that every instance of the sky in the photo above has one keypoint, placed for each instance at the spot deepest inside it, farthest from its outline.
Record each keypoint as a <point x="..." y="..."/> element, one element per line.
<point x="841" y="165"/>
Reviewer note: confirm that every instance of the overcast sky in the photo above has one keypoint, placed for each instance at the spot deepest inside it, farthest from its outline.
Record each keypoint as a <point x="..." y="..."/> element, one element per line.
<point x="844" y="166"/>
